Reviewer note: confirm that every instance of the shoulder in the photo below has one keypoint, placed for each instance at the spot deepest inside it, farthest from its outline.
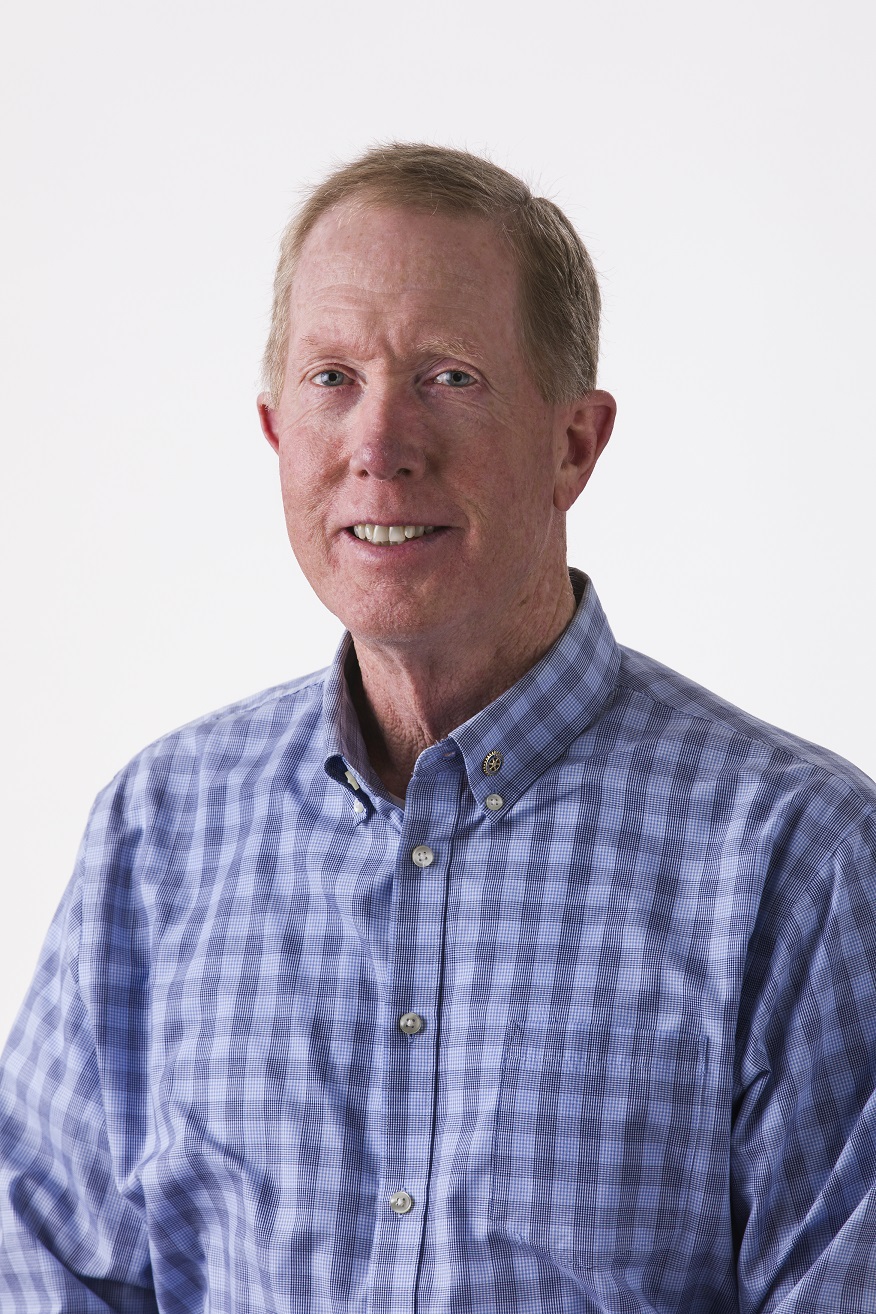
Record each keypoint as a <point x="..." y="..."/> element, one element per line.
<point x="246" y="738"/>
<point x="685" y="701"/>
<point x="260" y="712"/>
<point x="779" y="781"/>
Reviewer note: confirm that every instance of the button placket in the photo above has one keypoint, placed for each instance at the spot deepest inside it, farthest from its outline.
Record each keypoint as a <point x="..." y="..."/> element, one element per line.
<point x="420" y="893"/>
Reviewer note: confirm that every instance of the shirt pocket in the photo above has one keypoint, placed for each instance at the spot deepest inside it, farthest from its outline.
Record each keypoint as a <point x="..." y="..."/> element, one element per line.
<point x="596" y="1142"/>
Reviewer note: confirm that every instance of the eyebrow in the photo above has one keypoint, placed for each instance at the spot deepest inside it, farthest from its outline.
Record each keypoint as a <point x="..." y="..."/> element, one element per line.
<point x="448" y="347"/>
<point x="430" y="347"/>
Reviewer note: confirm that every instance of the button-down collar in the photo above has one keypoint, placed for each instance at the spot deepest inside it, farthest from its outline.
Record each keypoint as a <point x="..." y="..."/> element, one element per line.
<point x="534" y="722"/>
<point x="345" y="754"/>
<point x="524" y="730"/>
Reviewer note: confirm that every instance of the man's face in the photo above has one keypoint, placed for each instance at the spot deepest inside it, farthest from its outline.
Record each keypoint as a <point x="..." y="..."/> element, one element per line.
<point x="408" y="408"/>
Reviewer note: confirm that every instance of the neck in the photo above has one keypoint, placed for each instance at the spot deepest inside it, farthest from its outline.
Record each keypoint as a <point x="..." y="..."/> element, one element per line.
<point x="409" y="697"/>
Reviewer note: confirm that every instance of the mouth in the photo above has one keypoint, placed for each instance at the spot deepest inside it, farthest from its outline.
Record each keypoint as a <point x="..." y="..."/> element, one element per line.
<point x="389" y="535"/>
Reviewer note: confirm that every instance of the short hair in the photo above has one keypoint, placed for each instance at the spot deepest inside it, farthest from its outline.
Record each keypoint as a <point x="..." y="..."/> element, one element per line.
<point x="559" y="294"/>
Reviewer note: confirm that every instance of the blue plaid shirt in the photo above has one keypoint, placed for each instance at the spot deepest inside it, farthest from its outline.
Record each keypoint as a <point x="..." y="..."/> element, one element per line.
<point x="589" y="1025"/>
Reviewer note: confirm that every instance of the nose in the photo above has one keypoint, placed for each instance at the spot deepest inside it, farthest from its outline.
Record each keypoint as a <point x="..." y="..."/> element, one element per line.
<point x="387" y="444"/>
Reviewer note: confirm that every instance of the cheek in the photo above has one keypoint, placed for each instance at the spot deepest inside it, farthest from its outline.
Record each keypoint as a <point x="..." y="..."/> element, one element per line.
<point x="308" y="464"/>
<point x="304" y="504"/>
<point x="528" y="482"/>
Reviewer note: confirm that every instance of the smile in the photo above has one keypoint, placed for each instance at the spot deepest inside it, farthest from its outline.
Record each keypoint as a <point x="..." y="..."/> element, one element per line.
<point x="390" y="534"/>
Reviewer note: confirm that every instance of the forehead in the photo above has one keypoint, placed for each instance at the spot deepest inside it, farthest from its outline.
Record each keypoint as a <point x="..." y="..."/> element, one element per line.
<point x="401" y="263"/>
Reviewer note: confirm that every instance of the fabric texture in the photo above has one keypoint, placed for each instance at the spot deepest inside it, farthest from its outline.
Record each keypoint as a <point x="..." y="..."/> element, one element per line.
<point x="645" y="981"/>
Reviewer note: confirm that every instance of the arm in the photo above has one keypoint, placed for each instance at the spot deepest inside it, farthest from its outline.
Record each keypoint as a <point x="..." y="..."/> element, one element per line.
<point x="804" y="1141"/>
<point x="72" y="1231"/>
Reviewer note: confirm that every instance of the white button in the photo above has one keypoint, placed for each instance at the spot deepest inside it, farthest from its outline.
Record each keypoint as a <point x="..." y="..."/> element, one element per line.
<point x="423" y="855"/>
<point x="358" y="806"/>
<point x="410" y="1023"/>
<point x="352" y="779"/>
<point x="401" y="1202"/>
<point x="494" y="802"/>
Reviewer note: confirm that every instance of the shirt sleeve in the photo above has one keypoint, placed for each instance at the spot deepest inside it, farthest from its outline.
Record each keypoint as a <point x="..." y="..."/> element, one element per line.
<point x="72" y="1234"/>
<point x="804" y="1141"/>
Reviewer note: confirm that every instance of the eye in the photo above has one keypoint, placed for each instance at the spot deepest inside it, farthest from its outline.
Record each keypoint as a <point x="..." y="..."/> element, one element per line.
<point x="330" y="378"/>
<point x="455" y="378"/>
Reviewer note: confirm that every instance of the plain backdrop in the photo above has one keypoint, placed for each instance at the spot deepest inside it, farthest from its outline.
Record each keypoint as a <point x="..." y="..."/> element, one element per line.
<point x="718" y="160"/>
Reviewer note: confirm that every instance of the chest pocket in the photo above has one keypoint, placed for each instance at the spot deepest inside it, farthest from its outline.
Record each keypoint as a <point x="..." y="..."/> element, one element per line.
<point x="596" y="1143"/>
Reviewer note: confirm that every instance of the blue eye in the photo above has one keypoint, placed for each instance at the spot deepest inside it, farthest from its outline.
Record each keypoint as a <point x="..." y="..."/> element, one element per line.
<point x="455" y="378"/>
<point x="329" y="378"/>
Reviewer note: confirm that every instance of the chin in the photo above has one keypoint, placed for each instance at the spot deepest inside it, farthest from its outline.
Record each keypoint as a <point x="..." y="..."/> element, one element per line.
<point x="391" y="614"/>
<point x="407" y="622"/>
<point x="390" y="633"/>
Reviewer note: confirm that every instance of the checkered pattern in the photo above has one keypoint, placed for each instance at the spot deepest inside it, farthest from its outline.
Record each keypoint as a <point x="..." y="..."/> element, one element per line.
<point x="644" y="1079"/>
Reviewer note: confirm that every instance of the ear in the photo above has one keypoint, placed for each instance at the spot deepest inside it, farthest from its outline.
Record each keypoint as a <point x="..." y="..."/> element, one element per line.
<point x="268" y="420"/>
<point x="588" y="422"/>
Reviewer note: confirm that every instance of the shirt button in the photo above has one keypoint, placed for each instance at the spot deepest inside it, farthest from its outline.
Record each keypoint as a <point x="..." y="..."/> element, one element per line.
<point x="494" y="802"/>
<point x="423" y="855"/>
<point x="410" y="1023"/>
<point x="358" y="806"/>
<point x="401" y="1203"/>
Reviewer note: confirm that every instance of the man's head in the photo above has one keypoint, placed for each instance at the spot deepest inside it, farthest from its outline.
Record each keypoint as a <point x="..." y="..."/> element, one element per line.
<point x="406" y="399"/>
<point x="559" y="299"/>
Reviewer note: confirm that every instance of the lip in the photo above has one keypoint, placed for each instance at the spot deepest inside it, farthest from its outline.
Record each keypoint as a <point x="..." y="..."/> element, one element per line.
<point x="397" y="551"/>
<point x="437" y="522"/>
<point x="395" y="520"/>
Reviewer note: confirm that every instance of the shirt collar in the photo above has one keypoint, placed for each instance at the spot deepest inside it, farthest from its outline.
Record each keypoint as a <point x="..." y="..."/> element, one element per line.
<point x="511" y="742"/>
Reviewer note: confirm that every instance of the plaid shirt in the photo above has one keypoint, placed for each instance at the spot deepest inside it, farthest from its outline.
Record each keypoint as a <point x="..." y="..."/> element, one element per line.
<point x="589" y="1025"/>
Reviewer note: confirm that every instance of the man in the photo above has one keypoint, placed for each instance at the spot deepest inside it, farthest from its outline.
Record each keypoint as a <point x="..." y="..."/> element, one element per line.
<point x="497" y="967"/>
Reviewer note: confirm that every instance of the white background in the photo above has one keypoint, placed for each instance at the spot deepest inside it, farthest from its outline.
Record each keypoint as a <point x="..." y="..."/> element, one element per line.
<point x="718" y="160"/>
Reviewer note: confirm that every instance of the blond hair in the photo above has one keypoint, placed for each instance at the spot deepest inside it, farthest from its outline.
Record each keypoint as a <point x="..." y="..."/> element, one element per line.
<point x="559" y="294"/>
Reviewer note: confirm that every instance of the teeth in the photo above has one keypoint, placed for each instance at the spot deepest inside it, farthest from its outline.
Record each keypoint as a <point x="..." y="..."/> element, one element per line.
<point x="391" y="533"/>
